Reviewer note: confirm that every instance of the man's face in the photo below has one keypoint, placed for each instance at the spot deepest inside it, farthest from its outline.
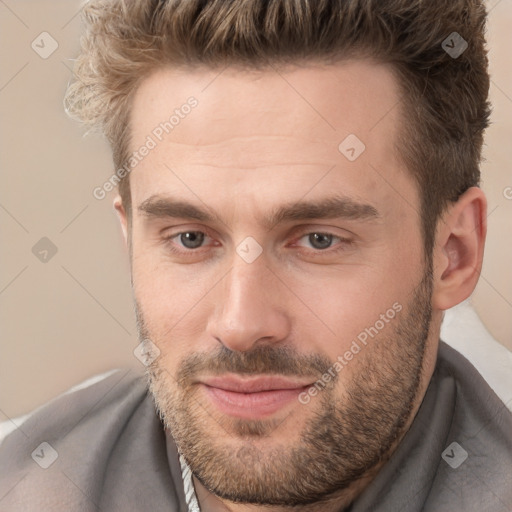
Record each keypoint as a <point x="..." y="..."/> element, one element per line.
<point x="267" y="258"/>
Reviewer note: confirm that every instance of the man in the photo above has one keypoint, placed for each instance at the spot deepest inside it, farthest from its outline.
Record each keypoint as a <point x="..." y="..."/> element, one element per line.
<point x="298" y="189"/>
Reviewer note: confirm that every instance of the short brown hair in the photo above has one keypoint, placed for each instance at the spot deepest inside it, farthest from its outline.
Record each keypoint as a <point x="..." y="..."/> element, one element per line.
<point x="445" y="109"/>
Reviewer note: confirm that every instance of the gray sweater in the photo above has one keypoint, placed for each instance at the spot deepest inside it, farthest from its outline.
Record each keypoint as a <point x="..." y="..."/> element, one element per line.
<point x="103" y="448"/>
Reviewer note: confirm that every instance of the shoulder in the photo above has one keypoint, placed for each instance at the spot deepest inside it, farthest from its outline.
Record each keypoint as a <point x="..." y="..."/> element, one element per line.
<point x="463" y="330"/>
<point x="475" y="463"/>
<point x="84" y="402"/>
<point x="73" y="433"/>
<point x="477" y="403"/>
<point x="480" y="401"/>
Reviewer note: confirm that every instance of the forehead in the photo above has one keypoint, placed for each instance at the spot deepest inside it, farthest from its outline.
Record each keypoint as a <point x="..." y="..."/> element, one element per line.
<point x="284" y="123"/>
<point x="324" y="100"/>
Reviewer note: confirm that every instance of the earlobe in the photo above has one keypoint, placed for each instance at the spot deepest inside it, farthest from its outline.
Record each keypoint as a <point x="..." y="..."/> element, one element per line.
<point x="121" y="213"/>
<point x="459" y="249"/>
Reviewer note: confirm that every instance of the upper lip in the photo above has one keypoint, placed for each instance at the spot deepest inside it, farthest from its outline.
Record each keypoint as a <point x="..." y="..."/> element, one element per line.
<point x="254" y="384"/>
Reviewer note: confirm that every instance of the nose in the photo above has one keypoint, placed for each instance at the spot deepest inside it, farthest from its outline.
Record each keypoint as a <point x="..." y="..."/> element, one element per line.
<point x="250" y="307"/>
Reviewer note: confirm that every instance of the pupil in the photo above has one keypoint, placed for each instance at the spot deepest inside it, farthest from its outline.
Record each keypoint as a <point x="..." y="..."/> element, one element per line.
<point x="320" y="240"/>
<point x="192" y="239"/>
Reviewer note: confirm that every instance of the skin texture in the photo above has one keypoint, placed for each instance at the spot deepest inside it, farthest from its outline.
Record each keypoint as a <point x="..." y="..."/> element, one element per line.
<point x="257" y="142"/>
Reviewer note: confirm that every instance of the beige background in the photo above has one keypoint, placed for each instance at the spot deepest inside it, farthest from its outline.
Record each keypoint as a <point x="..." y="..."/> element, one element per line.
<point x="71" y="317"/>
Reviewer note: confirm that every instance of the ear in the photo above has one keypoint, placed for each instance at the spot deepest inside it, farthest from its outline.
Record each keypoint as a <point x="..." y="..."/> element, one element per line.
<point x="459" y="249"/>
<point x="123" y="219"/>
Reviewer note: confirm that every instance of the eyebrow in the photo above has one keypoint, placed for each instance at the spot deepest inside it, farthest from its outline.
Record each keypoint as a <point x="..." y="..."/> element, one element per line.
<point x="158" y="206"/>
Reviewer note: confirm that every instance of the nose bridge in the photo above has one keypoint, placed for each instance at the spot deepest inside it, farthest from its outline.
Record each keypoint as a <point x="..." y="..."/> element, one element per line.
<point x="248" y="308"/>
<point x="244" y="285"/>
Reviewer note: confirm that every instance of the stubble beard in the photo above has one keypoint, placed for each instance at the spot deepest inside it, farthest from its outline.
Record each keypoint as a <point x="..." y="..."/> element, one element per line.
<point x="348" y="431"/>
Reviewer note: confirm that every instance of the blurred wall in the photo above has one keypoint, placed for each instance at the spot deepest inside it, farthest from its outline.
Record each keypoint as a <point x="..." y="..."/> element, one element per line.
<point x="65" y="298"/>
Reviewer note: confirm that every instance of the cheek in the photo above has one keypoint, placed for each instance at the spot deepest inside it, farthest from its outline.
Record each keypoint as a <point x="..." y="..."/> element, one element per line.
<point x="352" y="303"/>
<point x="173" y="301"/>
<point x="327" y="306"/>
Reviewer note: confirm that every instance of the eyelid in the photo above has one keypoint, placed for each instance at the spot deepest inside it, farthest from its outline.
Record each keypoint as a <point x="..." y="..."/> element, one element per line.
<point x="326" y="233"/>
<point x="171" y="231"/>
<point x="301" y="232"/>
<point x="341" y="240"/>
<point x="170" y="238"/>
<point x="334" y="231"/>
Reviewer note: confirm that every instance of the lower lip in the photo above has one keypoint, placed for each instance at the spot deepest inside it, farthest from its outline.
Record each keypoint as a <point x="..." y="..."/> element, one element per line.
<point x="251" y="405"/>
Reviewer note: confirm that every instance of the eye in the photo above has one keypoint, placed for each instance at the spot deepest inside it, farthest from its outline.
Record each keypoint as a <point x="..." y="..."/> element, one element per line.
<point x="320" y="241"/>
<point x="191" y="239"/>
<point x="188" y="239"/>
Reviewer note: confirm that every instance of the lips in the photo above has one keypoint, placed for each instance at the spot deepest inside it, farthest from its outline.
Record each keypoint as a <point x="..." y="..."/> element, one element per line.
<point x="254" y="397"/>
<point x="254" y="384"/>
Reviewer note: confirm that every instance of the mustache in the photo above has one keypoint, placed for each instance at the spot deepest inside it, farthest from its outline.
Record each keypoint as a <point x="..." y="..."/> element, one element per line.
<point x="267" y="360"/>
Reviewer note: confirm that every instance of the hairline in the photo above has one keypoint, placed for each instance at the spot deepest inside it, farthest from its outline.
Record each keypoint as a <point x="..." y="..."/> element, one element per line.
<point x="406" y="124"/>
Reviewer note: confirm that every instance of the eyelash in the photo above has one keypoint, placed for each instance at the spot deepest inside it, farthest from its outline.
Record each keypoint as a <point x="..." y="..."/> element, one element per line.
<point x="343" y="243"/>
